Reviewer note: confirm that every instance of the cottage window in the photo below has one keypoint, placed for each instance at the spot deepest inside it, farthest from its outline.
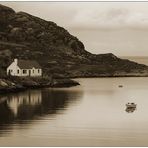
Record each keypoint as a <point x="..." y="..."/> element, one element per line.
<point x="18" y="71"/>
<point x="38" y="71"/>
<point x="9" y="72"/>
<point x="24" y="71"/>
<point x="33" y="71"/>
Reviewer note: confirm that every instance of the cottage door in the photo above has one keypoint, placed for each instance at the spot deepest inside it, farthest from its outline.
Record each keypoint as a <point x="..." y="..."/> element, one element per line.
<point x="29" y="72"/>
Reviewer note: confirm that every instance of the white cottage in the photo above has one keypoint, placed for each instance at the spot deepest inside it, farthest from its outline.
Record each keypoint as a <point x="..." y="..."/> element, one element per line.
<point x="24" y="68"/>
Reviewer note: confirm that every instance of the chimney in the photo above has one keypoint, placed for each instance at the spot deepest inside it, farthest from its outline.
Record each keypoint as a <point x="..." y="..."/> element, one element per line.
<point x="15" y="61"/>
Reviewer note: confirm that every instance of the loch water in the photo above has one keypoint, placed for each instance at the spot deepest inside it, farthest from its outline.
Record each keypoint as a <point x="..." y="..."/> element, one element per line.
<point x="92" y="114"/>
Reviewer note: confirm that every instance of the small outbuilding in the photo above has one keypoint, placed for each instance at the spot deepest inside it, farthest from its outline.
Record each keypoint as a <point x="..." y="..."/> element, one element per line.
<point x="24" y="68"/>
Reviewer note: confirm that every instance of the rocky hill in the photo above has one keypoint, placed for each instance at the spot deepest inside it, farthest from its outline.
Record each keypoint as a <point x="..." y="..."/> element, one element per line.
<point x="59" y="53"/>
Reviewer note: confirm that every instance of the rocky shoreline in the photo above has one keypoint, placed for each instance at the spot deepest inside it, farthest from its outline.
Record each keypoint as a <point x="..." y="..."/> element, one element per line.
<point x="112" y="76"/>
<point x="16" y="84"/>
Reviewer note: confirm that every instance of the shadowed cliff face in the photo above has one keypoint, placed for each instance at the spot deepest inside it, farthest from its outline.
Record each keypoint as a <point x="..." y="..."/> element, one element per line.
<point x="6" y="14"/>
<point x="58" y="52"/>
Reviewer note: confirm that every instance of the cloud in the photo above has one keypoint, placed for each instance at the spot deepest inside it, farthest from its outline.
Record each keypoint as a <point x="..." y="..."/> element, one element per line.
<point x="109" y="19"/>
<point x="88" y="15"/>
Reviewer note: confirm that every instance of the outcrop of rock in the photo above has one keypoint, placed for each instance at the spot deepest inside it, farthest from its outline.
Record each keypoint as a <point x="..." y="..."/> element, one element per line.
<point x="57" y="51"/>
<point x="14" y="84"/>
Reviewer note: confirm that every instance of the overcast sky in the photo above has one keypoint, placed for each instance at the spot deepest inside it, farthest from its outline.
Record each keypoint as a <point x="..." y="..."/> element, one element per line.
<point x="117" y="27"/>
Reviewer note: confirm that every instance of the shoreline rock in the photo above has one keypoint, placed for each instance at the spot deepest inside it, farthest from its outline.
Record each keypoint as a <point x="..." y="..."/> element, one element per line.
<point x="16" y="84"/>
<point x="64" y="83"/>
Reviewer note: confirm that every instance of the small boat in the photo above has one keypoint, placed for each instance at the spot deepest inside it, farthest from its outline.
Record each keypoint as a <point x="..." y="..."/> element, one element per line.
<point x="131" y="105"/>
<point x="120" y="86"/>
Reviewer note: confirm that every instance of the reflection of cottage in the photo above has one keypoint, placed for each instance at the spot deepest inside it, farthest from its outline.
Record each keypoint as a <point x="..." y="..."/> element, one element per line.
<point x="24" y="68"/>
<point x="29" y="98"/>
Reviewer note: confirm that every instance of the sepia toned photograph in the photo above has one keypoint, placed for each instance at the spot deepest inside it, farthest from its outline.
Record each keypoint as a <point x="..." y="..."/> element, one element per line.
<point x="73" y="73"/>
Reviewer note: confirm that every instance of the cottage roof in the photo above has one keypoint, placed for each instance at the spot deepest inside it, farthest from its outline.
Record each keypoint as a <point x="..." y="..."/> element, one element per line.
<point x="28" y="64"/>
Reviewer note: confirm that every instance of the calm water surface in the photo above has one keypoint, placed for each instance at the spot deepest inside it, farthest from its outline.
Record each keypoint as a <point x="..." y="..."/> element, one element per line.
<point x="93" y="114"/>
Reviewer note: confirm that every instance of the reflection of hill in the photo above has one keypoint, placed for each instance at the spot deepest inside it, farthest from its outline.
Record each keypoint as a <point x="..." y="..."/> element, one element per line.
<point x="29" y="105"/>
<point x="6" y="114"/>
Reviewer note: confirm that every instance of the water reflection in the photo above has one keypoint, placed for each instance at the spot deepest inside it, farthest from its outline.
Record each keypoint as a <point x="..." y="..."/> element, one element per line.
<point x="130" y="110"/>
<point x="24" y="107"/>
<point x="30" y="98"/>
